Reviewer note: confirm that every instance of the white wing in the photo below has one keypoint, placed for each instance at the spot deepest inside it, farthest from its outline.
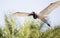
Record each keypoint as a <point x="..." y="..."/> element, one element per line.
<point x="20" y="14"/>
<point x="49" y="8"/>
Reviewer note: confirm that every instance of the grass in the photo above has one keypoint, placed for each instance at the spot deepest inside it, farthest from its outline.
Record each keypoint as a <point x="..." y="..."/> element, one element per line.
<point x="28" y="30"/>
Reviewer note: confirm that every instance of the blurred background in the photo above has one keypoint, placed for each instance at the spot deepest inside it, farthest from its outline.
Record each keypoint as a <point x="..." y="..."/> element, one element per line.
<point x="27" y="27"/>
<point x="11" y="6"/>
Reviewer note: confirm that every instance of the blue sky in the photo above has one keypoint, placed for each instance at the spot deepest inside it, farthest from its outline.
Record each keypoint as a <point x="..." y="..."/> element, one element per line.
<point x="10" y="6"/>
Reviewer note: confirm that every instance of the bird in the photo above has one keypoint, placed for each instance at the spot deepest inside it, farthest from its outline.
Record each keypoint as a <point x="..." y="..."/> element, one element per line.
<point x="41" y="14"/>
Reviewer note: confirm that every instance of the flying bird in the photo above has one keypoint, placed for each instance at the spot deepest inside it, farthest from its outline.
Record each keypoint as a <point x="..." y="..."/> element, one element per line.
<point x="41" y="14"/>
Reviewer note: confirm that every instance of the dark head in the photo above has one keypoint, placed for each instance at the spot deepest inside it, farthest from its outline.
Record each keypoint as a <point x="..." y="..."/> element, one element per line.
<point x="34" y="15"/>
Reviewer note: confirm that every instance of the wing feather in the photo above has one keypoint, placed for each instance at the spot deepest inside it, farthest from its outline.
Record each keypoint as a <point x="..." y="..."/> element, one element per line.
<point x="20" y="14"/>
<point x="50" y="7"/>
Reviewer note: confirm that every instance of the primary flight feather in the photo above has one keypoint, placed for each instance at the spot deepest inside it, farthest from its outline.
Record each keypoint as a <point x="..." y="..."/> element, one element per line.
<point x="50" y="7"/>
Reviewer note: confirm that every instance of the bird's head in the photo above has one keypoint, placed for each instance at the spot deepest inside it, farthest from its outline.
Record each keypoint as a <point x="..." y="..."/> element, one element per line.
<point x="34" y="15"/>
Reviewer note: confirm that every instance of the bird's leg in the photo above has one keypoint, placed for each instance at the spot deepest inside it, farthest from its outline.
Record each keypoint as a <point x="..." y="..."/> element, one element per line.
<point x="34" y="15"/>
<point x="45" y="21"/>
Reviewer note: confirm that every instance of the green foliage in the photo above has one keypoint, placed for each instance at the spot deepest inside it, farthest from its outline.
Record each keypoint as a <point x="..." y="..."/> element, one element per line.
<point x="28" y="30"/>
<point x="51" y="33"/>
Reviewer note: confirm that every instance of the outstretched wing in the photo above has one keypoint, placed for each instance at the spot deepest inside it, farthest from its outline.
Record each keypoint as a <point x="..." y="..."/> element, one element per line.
<point x="49" y="8"/>
<point x="20" y="14"/>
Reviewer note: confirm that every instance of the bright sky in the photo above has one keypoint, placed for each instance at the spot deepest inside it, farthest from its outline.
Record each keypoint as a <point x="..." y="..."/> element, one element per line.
<point x="8" y="6"/>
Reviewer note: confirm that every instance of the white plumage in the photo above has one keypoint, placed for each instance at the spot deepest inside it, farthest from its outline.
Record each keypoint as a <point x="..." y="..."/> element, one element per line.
<point x="42" y="13"/>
